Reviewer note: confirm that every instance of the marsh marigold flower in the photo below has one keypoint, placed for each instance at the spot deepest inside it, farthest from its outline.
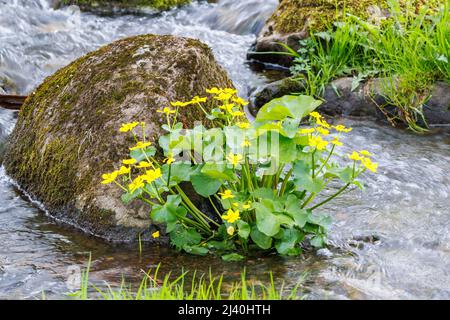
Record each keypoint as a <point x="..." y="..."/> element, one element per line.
<point x="109" y="177"/>
<point x="341" y="128"/>
<point x="371" y="166"/>
<point x="355" y="156"/>
<point x="155" y="234"/>
<point x="152" y="175"/>
<point x="243" y="125"/>
<point x="129" y="161"/>
<point x="234" y="159"/>
<point x="166" y="111"/>
<point x="230" y="230"/>
<point x="231" y="216"/>
<point x="365" y="153"/>
<point x="141" y="145"/>
<point x="126" y="127"/>
<point x="307" y="131"/>
<point x="318" y="143"/>
<point x="336" y="142"/>
<point x="124" y="170"/>
<point x="136" y="184"/>
<point x="144" y="164"/>
<point x="240" y="101"/>
<point x="227" y="194"/>
<point x="323" y="131"/>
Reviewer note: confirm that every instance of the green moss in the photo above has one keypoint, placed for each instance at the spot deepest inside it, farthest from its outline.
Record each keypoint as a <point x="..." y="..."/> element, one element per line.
<point x="124" y="4"/>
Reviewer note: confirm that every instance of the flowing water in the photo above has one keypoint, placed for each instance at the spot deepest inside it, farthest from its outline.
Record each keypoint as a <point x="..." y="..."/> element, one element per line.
<point x="406" y="207"/>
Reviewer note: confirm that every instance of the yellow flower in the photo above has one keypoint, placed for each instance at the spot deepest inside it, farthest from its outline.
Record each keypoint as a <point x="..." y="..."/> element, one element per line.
<point x="155" y="235"/>
<point x="246" y="143"/>
<point x="109" y="177"/>
<point x="318" y="143"/>
<point x="152" y="175"/>
<point x="243" y="125"/>
<point x="227" y="194"/>
<point x="323" y="131"/>
<point x="123" y="170"/>
<point x="223" y="96"/>
<point x="197" y="99"/>
<point x="228" y="107"/>
<point x="167" y="111"/>
<point x="230" y="230"/>
<point x="365" y="153"/>
<point x="126" y="127"/>
<point x="234" y="159"/>
<point x="315" y="115"/>
<point x="144" y="164"/>
<point x="141" y="145"/>
<point x="240" y="101"/>
<point x="213" y="90"/>
<point x="342" y="128"/>
<point x="372" y="166"/>
<point x="169" y="160"/>
<point x="136" y="184"/>
<point x="323" y="123"/>
<point x="336" y="142"/>
<point x="179" y="104"/>
<point x="307" y="131"/>
<point x="129" y="161"/>
<point x="355" y="156"/>
<point x="237" y="113"/>
<point x="247" y="206"/>
<point x="231" y="216"/>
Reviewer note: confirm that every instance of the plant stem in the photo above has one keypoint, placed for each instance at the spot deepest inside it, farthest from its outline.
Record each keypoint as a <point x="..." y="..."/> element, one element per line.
<point x="332" y="197"/>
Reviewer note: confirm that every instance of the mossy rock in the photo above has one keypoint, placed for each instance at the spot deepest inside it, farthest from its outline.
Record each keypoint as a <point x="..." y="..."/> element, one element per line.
<point x="108" y="6"/>
<point x="67" y="131"/>
<point x="294" y="20"/>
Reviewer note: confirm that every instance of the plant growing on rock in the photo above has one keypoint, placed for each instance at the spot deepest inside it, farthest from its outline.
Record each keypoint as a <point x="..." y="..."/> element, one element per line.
<point x="257" y="181"/>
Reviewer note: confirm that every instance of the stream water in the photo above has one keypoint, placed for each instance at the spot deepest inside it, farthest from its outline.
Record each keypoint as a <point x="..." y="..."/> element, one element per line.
<point x="406" y="206"/>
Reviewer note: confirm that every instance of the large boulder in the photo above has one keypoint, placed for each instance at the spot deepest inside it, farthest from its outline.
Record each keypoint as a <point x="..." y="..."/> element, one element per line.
<point x="67" y="131"/>
<point x="124" y="6"/>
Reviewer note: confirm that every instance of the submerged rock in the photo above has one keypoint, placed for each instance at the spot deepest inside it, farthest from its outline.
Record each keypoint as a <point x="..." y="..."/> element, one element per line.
<point x="125" y="6"/>
<point x="67" y="131"/>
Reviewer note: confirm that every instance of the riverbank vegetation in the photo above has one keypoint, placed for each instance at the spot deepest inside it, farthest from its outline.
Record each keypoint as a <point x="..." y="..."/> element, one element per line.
<point x="409" y="50"/>
<point x="255" y="182"/>
<point x="188" y="286"/>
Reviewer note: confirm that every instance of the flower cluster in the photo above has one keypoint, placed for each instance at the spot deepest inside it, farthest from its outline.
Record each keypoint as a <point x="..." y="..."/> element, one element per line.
<point x="263" y="197"/>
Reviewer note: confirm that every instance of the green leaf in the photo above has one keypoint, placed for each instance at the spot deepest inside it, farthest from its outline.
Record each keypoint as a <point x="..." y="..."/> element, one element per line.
<point x="218" y="171"/>
<point x="143" y="154"/>
<point x="266" y="221"/>
<point x="243" y="229"/>
<point x="221" y="245"/>
<point x="168" y="212"/>
<point x="287" y="243"/>
<point x="180" y="172"/>
<point x="205" y="185"/>
<point x="263" y="193"/>
<point x="197" y="250"/>
<point x="182" y="236"/>
<point x="288" y="150"/>
<point x="293" y="208"/>
<point x="318" y="241"/>
<point x="303" y="178"/>
<point x="260" y="239"/>
<point x="291" y="106"/>
<point x="232" y="257"/>
<point x="128" y="197"/>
